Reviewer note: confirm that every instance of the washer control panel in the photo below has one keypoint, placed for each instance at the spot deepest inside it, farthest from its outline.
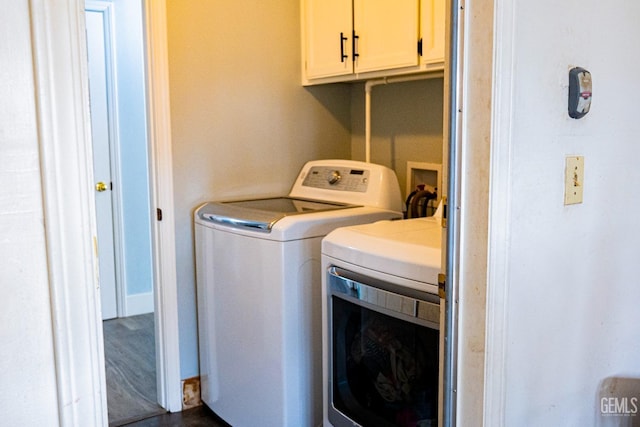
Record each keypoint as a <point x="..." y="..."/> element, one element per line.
<point x="337" y="178"/>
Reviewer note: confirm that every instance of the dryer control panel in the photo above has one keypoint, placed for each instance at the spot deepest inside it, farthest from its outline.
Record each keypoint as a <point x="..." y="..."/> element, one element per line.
<point x="337" y="178"/>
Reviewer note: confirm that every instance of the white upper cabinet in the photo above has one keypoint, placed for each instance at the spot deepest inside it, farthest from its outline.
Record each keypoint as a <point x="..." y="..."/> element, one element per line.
<point x="385" y="34"/>
<point x="327" y="37"/>
<point x="432" y="31"/>
<point x="346" y="40"/>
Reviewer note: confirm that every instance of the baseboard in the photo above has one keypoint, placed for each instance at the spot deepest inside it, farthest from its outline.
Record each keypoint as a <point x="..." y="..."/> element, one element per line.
<point x="139" y="304"/>
<point x="191" y="393"/>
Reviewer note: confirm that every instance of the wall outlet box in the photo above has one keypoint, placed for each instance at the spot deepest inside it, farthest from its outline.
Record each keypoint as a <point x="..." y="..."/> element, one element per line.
<point x="573" y="180"/>
<point x="424" y="173"/>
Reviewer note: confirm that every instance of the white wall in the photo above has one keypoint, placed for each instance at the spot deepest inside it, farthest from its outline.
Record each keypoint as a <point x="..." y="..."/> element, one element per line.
<point x="565" y="301"/>
<point x="242" y="124"/>
<point x="28" y="393"/>
<point x="134" y="164"/>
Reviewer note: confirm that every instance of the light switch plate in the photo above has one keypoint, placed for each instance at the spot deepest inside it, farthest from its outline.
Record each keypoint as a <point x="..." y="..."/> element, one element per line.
<point x="573" y="180"/>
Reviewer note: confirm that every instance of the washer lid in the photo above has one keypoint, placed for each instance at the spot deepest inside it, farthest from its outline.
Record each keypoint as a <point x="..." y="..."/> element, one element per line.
<point x="262" y="214"/>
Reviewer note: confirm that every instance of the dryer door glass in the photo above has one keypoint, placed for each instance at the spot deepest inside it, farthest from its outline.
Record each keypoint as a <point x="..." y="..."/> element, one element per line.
<point x="384" y="365"/>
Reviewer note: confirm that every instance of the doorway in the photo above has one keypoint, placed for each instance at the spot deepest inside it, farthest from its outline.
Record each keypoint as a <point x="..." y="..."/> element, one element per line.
<point x="115" y="51"/>
<point x="121" y="154"/>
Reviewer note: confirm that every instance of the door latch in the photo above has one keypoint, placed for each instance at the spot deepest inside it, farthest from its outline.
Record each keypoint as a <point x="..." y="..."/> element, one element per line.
<point x="442" y="281"/>
<point x="444" y="211"/>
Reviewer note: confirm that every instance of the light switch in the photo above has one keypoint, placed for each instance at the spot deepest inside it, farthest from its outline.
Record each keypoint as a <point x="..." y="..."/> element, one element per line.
<point x="573" y="180"/>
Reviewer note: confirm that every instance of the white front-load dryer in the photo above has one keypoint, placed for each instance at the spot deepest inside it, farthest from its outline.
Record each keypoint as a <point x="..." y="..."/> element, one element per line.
<point x="259" y="290"/>
<point x="381" y="324"/>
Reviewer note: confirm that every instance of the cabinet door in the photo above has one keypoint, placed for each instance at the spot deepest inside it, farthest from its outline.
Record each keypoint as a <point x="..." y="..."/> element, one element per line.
<point x="328" y="25"/>
<point x="387" y="34"/>
<point x="432" y="33"/>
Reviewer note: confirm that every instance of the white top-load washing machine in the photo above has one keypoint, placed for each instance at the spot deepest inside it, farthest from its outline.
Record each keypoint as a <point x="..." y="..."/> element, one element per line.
<point x="259" y="290"/>
<point x="381" y="322"/>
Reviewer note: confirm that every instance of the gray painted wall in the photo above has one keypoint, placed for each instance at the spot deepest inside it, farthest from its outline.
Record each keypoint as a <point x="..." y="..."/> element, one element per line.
<point x="406" y="124"/>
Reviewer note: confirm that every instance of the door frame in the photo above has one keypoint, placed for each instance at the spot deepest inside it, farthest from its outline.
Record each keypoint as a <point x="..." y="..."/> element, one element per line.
<point x="64" y="138"/>
<point x="161" y="183"/>
<point x="454" y="30"/>
<point x="475" y="195"/>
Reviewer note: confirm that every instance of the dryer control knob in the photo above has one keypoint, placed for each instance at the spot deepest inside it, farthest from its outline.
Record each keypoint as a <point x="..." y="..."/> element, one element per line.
<point x="334" y="177"/>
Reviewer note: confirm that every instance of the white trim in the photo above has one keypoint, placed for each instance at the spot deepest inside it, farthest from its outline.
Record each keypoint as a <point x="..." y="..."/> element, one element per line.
<point x="138" y="304"/>
<point x="61" y="76"/>
<point x="499" y="215"/>
<point x="163" y="232"/>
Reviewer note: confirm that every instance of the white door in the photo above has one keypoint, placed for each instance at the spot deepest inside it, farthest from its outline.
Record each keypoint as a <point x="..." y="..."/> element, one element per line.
<point x="102" y="133"/>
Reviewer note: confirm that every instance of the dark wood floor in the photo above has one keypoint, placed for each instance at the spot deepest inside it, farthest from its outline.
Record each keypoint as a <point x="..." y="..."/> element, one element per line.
<point x="129" y="348"/>
<point x="196" y="417"/>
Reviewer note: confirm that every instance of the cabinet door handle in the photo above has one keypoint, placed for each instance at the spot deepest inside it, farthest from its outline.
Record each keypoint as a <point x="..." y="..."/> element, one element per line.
<point x="355" y="46"/>
<point x="342" y="40"/>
